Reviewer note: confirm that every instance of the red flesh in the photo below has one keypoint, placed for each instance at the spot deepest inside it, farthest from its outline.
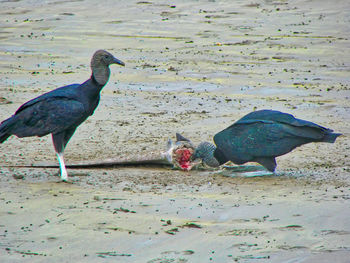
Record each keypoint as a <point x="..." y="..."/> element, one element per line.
<point x="183" y="156"/>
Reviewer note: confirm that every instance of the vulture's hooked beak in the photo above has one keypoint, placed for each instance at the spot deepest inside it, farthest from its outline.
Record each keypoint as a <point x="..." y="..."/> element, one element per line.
<point x="119" y="62"/>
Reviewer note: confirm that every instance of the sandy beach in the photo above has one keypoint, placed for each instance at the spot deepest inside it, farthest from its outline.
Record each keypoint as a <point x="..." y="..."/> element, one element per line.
<point x="192" y="67"/>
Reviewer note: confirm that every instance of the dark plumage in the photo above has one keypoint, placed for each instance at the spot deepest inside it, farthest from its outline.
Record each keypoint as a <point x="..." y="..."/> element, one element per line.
<point x="261" y="136"/>
<point x="62" y="110"/>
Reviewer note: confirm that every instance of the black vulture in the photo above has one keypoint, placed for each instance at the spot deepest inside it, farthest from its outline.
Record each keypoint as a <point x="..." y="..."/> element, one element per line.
<point x="260" y="136"/>
<point x="62" y="110"/>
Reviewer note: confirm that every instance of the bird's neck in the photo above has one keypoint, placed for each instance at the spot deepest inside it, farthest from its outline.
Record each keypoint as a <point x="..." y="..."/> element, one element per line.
<point x="100" y="74"/>
<point x="207" y="151"/>
<point x="90" y="94"/>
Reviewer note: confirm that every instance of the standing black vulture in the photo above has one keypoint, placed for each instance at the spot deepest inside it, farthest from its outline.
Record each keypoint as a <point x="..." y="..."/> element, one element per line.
<point x="62" y="110"/>
<point x="261" y="136"/>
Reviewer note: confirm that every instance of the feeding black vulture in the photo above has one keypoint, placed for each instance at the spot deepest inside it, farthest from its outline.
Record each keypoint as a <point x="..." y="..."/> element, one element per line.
<point x="62" y="110"/>
<point x="260" y="136"/>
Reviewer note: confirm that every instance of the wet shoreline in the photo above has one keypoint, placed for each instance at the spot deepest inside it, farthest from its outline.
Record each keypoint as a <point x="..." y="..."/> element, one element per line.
<point x="192" y="67"/>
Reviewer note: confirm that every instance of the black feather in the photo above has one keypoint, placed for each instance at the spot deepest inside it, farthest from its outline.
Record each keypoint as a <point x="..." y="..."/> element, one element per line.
<point x="61" y="111"/>
<point x="263" y="135"/>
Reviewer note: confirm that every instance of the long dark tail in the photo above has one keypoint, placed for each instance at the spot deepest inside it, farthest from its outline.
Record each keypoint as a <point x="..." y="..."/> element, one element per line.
<point x="5" y="128"/>
<point x="330" y="137"/>
<point x="4" y="136"/>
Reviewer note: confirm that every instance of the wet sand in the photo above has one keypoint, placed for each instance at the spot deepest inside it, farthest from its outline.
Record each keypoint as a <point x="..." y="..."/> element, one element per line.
<point x="192" y="67"/>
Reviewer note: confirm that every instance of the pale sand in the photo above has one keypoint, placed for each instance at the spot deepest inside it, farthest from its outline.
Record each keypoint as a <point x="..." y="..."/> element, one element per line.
<point x="194" y="67"/>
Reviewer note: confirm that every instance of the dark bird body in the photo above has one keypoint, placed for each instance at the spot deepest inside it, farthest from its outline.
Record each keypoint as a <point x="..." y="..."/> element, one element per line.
<point x="261" y="136"/>
<point x="61" y="111"/>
